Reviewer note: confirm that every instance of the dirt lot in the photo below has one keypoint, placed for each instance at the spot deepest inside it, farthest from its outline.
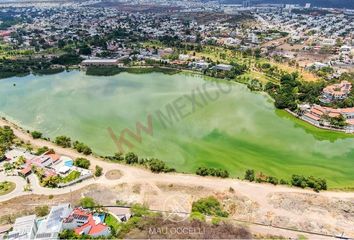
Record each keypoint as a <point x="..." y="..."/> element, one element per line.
<point x="310" y="212"/>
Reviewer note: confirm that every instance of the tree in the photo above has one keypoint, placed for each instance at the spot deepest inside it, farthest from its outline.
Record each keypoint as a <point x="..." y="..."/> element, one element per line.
<point x="63" y="141"/>
<point x="98" y="171"/>
<point x="202" y="171"/>
<point x="82" y="163"/>
<point x="272" y="180"/>
<point x="61" y="43"/>
<point x="131" y="158"/>
<point x="36" y="134"/>
<point x="339" y="121"/>
<point x="158" y="166"/>
<point x="249" y="175"/>
<point x="82" y="148"/>
<point x="42" y="150"/>
<point x="8" y="166"/>
<point x="257" y="53"/>
<point x="209" y="206"/>
<point x="51" y="182"/>
<point x="85" y="50"/>
<point x="87" y="202"/>
<point x="68" y="234"/>
<point x="298" y="181"/>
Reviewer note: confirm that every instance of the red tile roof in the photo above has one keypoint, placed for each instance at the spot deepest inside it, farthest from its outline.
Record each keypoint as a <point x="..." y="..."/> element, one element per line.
<point x="94" y="228"/>
<point x="309" y="115"/>
<point x="26" y="170"/>
<point x="54" y="156"/>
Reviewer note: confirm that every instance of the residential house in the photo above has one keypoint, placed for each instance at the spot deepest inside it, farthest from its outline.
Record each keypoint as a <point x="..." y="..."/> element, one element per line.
<point x="223" y="67"/>
<point x="24" y="228"/>
<point x="53" y="224"/>
<point x="100" y="62"/>
<point x="316" y="114"/>
<point x="83" y="221"/>
<point x="336" y="92"/>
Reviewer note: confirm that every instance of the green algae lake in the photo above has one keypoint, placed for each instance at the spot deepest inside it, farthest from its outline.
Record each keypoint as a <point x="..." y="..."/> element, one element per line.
<point x="194" y="122"/>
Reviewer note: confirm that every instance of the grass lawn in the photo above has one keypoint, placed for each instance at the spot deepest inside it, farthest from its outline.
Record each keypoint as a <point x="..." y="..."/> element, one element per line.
<point x="112" y="222"/>
<point x="6" y="187"/>
<point x="71" y="177"/>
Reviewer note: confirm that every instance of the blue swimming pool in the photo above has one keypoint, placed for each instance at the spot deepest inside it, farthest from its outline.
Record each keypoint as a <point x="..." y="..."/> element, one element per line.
<point x="69" y="163"/>
<point x="101" y="216"/>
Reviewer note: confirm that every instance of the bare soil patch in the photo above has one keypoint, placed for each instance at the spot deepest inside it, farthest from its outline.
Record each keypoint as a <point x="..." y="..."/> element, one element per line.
<point x="114" y="174"/>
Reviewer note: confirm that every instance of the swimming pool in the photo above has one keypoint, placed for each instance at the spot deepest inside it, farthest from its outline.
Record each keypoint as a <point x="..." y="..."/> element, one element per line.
<point x="69" y="163"/>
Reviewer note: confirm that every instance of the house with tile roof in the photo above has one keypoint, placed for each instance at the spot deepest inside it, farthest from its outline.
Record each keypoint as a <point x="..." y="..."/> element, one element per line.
<point x="85" y="222"/>
<point x="336" y="92"/>
<point x="317" y="113"/>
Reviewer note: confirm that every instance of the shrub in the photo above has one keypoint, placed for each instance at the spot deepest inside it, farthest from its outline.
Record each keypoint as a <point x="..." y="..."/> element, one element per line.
<point x="249" y="175"/>
<point x="272" y="180"/>
<point x="98" y="171"/>
<point x="131" y="158"/>
<point x="203" y="171"/>
<point x="316" y="184"/>
<point x="41" y="211"/>
<point x="283" y="182"/>
<point x="51" y="182"/>
<point x="82" y="148"/>
<point x="68" y="234"/>
<point x="209" y="206"/>
<point x="63" y="141"/>
<point x="197" y="216"/>
<point x="87" y="202"/>
<point x="36" y="134"/>
<point x="82" y="163"/>
<point x="216" y="220"/>
<point x="157" y="166"/>
<point x="298" y="181"/>
<point x="42" y="150"/>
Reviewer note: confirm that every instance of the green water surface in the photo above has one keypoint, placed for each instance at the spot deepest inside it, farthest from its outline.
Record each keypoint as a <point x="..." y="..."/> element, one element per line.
<point x="235" y="130"/>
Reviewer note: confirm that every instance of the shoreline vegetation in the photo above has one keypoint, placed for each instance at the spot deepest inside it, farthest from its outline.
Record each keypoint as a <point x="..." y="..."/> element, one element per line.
<point x="111" y="70"/>
<point x="159" y="166"/>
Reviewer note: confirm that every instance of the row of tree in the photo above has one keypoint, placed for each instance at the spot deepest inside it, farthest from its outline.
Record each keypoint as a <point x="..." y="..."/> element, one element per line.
<point x="65" y="142"/>
<point x="153" y="164"/>
<point x="317" y="184"/>
<point x="215" y="172"/>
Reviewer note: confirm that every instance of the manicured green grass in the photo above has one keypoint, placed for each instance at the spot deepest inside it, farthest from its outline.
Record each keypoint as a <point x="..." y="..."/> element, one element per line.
<point x="71" y="177"/>
<point x="6" y="187"/>
<point x="112" y="222"/>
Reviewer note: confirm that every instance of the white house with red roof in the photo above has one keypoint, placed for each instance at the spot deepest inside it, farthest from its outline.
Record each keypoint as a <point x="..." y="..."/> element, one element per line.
<point x="336" y="92"/>
<point x="316" y="113"/>
<point x="84" y="222"/>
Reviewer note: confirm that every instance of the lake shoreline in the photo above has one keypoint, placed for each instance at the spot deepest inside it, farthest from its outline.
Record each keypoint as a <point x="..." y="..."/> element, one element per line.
<point x="218" y="145"/>
<point x="97" y="159"/>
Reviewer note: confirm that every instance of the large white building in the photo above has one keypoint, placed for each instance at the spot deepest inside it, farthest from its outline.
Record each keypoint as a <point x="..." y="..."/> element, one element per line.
<point x="53" y="224"/>
<point x="24" y="228"/>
